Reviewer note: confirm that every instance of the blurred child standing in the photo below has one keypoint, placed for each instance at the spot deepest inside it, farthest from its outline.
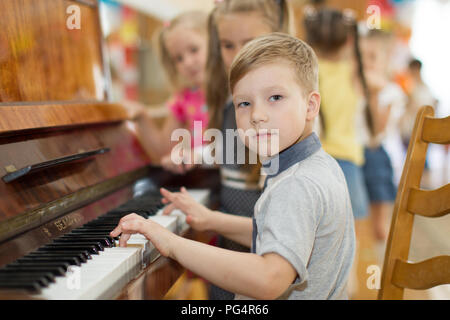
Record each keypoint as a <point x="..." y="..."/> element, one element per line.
<point x="387" y="107"/>
<point x="333" y="35"/>
<point x="419" y="95"/>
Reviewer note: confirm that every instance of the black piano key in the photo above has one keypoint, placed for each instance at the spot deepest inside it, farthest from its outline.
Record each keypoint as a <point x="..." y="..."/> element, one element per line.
<point x="93" y="249"/>
<point x="102" y="226"/>
<point x="107" y="242"/>
<point x="108" y="218"/>
<point x="91" y="234"/>
<point x="101" y="222"/>
<point x="38" y="254"/>
<point x="94" y="235"/>
<point x="70" y="260"/>
<point x="96" y="229"/>
<point x="63" y="265"/>
<point x="43" y="281"/>
<point x="106" y="231"/>
<point x="15" y="273"/>
<point x="82" y="253"/>
<point x="56" y="271"/>
<point x="32" y="287"/>
<point x="104" y="242"/>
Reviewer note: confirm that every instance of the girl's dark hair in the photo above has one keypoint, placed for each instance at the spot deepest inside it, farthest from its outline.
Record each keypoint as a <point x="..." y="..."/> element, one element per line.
<point x="327" y="30"/>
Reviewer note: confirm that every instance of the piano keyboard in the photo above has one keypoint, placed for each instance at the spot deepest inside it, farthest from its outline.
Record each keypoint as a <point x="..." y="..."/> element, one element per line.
<point x="87" y="263"/>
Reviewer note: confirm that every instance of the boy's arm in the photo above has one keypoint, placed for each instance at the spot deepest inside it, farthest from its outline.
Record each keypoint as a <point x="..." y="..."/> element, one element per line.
<point x="260" y="277"/>
<point x="236" y="228"/>
<point x="233" y="227"/>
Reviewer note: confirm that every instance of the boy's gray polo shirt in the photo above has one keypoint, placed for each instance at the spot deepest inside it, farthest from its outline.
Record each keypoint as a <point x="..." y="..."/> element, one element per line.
<point x="305" y="216"/>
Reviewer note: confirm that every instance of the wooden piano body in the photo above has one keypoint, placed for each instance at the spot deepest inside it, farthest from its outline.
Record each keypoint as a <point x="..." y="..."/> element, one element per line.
<point x="67" y="154"/>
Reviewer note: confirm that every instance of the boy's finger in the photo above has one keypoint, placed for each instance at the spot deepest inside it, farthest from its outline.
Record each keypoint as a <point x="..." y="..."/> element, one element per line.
<point x="124" y="239"/>
<point x="117" y="230"/>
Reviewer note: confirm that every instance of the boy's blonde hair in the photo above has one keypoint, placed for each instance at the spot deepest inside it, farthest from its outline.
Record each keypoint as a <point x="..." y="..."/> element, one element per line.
<point x="275" y="13"/>
<point x="194" y="20"/>
<point x="278" y="47"/>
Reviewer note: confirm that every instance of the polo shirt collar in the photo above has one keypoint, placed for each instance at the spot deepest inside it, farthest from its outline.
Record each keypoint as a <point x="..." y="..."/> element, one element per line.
<point x="292" y="155"/>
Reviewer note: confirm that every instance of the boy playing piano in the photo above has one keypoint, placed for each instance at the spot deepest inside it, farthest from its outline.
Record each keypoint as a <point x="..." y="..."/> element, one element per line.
<point x="302" y="232"/>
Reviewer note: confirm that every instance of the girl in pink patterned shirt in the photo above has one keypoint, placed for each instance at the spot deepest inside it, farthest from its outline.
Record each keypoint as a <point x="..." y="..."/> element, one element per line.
<point x="189" y="106"/>
<point x="183" y="52"/>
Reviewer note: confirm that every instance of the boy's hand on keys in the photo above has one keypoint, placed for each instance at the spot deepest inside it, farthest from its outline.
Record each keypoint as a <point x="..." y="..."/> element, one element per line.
<point x="157" y="234"/>
<point x="197" y="215"/>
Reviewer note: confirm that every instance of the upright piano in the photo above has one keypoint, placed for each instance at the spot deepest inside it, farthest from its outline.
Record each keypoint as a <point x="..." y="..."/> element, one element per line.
<point x="70" y="167"/>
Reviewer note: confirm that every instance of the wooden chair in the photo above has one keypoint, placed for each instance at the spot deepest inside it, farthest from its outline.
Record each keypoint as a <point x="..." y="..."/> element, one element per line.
<point x="398" y="273"/>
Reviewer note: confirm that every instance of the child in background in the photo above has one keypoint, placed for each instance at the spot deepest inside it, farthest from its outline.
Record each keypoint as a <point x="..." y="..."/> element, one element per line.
<point x="419" y="95"/>
<point x="333" y="35"/>
<point x="388" y="106"/>
<point x="233" y="23"/>
<point x="183" y="53"/>
<point x="302" y="246"/>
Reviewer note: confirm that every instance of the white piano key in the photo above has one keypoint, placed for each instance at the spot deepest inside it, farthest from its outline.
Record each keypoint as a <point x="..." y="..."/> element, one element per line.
<point x="98" y="278"/>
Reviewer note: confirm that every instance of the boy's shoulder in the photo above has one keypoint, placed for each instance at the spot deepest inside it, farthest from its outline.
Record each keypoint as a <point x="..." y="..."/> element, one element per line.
<point x="319" y="164"/>
<point x="318" y="170"/>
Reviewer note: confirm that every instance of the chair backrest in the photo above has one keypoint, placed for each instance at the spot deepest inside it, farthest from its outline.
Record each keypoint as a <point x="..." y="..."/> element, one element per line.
<point x="398" y="273"/>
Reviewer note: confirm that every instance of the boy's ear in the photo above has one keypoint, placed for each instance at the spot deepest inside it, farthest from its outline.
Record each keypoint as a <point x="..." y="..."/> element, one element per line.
<point x="313" y="105"/>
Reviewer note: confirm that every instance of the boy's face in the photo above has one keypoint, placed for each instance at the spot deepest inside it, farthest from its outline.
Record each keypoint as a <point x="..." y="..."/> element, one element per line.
<point x="270" y="104"/>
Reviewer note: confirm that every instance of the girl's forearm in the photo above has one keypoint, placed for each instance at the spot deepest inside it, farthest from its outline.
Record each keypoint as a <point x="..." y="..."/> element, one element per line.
<point x="380" y="115"/>
<point x="149" y="136"/>
<point x="233" y="227"/>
